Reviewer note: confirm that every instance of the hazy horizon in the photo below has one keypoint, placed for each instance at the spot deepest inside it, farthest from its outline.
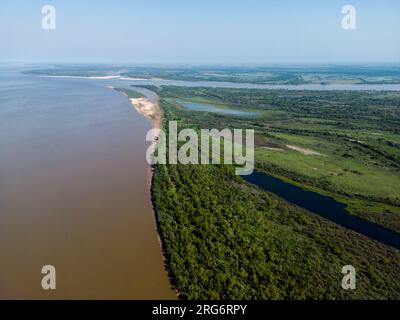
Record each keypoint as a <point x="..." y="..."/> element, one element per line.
<point x="208" y="64"/>
<point x="178" y="32"/>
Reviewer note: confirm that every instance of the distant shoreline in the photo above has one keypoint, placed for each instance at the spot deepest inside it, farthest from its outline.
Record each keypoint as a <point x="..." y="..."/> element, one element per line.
<point x="242" y="85"/>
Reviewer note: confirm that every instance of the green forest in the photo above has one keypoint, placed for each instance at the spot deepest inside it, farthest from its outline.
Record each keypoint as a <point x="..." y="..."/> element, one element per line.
<point x="354" y="138"/>
<point x="227" y="239"/>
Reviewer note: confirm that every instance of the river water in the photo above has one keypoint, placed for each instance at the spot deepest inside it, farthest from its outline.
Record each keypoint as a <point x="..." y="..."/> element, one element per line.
<point x="74" y="193"/>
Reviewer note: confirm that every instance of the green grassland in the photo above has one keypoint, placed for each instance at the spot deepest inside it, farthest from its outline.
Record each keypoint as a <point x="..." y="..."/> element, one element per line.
<point x="227" y="239"/>
<point x="353" y="136"/>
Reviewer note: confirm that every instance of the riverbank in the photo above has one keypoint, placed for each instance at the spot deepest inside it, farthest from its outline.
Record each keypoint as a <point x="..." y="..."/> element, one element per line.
<point x="150" y="109"/>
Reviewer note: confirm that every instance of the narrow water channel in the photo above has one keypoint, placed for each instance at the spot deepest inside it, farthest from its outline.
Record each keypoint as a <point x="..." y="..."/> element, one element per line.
<point x="324" y="206"/>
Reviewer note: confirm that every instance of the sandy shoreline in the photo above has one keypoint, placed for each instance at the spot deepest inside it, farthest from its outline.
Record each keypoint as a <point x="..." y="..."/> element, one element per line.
<point x="152" y="111"/>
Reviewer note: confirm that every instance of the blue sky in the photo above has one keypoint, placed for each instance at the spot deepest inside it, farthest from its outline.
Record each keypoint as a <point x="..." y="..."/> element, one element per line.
<point x="218" y="31"/>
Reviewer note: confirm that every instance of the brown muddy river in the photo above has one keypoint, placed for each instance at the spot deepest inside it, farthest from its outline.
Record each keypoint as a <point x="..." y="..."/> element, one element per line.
<point x="74" y="193"/>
